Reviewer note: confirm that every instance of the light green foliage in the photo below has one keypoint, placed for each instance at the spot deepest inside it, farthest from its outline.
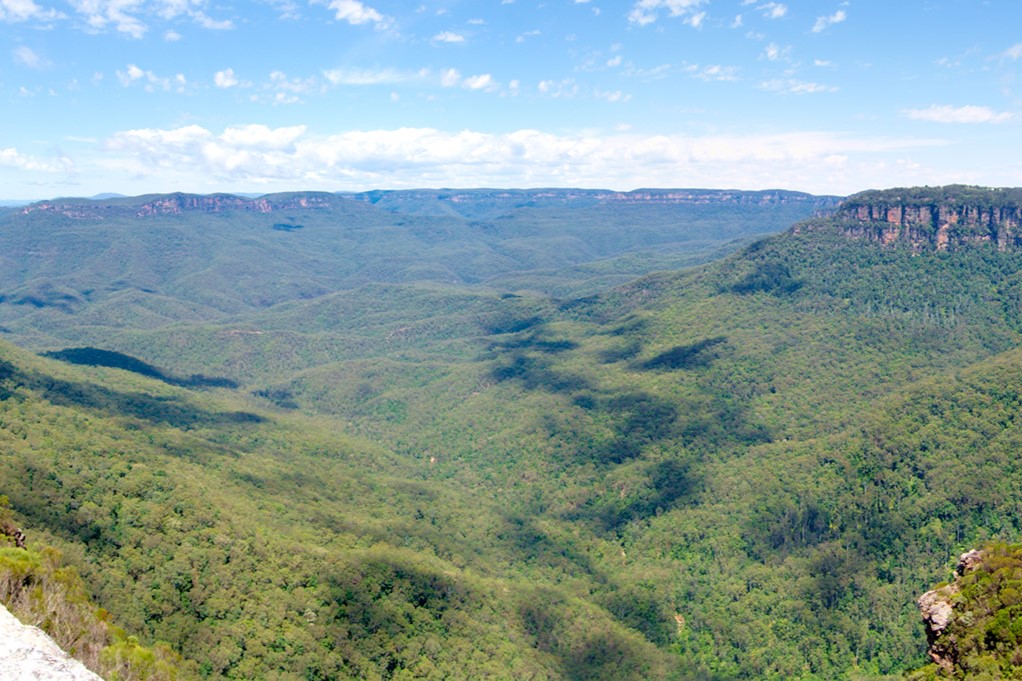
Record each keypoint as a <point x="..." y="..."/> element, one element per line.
<point x="744" y="470"/>
<point x="41" y="591"/>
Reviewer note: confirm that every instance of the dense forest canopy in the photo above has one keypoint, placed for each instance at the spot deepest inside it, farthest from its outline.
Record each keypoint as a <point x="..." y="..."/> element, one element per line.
<point x="750" y="468"/>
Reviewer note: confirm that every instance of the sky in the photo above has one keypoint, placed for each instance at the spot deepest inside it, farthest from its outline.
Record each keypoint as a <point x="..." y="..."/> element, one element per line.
<point x="259" y="96"/>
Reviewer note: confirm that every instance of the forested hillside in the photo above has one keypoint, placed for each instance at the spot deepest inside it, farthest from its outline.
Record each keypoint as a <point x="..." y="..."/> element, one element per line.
<point x="746" y="469"/>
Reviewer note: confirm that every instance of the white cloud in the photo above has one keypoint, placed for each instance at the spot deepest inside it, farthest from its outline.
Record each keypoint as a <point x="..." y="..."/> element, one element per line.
<point x="645" y="12"/>
<point x="773" y="52"/>
<point x="792" y="86"/>
<point x="483" y="81"/>
<point x="22" y="10"/>
<point x="243" y="156"/>
<point x="172" y="36"/>
<point x="356" y="13"/>
<point x="713" y="72"/>
<point x="528" y="34"/>
<point x="102" y="13"/>
<point x="1013" y="52"/>
<point x="283" y="89"/>
<point x="130" y="75"/>
<point x="961" y="114"/>
<point x="561" y="89"/>
<point x="212" y="24"/>
<point x="448" y="37"/>
<point x="773" y="10"/>
<point x="225" y="78"/>
<point x="450" y="78"/>
<point x="262" y="137"/>
<point x="614" y="61"/>
<point x="822" y="23"/>
<point x="11" y="158"/>
<point x="371" y="76"/>
<point x="26" y="56"/>
<point x="614" y="97"/>
<point x="151" y="82"/>
<point x="128" y="16"/>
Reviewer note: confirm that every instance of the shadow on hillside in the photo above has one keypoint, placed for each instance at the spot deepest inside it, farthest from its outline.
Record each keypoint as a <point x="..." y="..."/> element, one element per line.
<point x="97" y="357"/>
<point x="171" y="411"/>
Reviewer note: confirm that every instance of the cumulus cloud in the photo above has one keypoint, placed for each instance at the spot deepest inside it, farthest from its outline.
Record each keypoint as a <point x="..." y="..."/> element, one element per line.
<point x="483" y="81"/>
<point x="12" y="158"/>
<point x="960" y="114"/>
<point x="822" y="23"/>
<point x="225" y="78"/>
<point x="448" y="37"/>
<point x="773" y="52"/>
<point x="262" y="137"/>
<point x="151" y="82"/>
<point x="450" y="78"/>
<point x="645" y="12"/>
<point x="356" y="13"/>
<point x="416" y="157"/>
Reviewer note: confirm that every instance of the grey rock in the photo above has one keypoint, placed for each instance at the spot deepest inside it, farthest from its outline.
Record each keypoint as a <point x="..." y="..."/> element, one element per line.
<point x="28" y="654"/>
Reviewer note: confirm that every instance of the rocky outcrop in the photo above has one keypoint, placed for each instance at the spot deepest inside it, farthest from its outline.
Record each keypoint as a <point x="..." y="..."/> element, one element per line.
<point x="938" y="610"/>
<point x="27" y="654"/>
<point x="935" y="218"/>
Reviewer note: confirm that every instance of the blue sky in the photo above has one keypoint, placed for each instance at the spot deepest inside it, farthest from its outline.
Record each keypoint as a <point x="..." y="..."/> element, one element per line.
<point x="826" y="96"/>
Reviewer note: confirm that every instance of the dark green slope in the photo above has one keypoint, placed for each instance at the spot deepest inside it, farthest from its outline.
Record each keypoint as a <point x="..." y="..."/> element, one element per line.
<point x="731" y="429"/>
<point x="745" y="470"/>
<point x="261" y="546"/>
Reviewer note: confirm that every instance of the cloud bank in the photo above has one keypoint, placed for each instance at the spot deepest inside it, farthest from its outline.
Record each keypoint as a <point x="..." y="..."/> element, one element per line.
<point x="193" y="157"/>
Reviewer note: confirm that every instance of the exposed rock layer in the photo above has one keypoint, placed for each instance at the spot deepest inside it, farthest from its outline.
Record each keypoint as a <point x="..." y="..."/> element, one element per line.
<point x="27" y="654"/>
<point x="935" y="219"/>
<point x="937" y="609"/>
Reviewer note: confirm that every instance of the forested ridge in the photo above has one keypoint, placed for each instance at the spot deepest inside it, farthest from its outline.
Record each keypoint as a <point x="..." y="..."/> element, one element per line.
<point x="746" y="469"/>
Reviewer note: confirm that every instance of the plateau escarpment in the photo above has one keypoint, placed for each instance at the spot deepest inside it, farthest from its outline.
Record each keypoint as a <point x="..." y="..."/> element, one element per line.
<point x="935" y="218"/>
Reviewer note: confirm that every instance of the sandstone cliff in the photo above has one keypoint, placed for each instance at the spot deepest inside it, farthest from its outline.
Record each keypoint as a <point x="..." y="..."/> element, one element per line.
<point x="27" y="654"/>
<point x="180" y="203"/>
<point x="935" y="218"/>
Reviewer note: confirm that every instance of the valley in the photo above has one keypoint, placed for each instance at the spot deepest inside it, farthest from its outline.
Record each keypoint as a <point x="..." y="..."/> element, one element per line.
<point x="558" y="434"/>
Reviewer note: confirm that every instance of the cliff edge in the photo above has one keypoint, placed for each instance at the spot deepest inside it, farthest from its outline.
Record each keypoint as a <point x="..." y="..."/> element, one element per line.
<point x="974" y="623"/>
<point x="934" y="218"/>
<point x="27" y="654"/>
